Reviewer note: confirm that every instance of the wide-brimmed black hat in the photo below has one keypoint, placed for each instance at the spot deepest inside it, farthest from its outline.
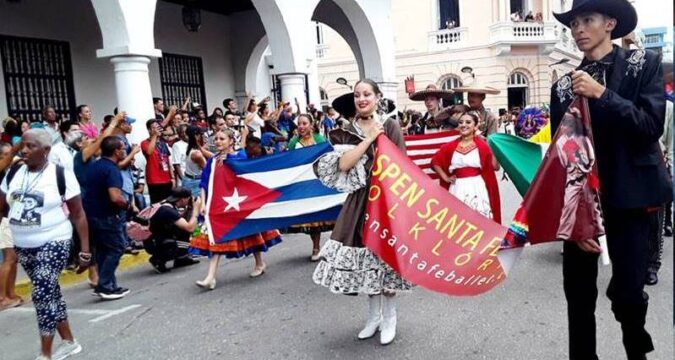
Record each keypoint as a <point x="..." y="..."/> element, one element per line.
<point x="621" y="10"/>
<point x="344" y="104"/>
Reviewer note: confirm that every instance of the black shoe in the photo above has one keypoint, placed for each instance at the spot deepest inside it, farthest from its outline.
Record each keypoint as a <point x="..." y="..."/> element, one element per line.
<point x="184" y="261"/>
<point x="123" y="291"/>
<point x="652" y="278"/>
<point x="159" y="266"/>
<point x="113" y="295"/>
<point x="668" y="231"/>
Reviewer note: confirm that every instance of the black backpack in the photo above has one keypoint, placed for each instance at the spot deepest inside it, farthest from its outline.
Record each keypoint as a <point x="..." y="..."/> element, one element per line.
<point x="60" y="177"/>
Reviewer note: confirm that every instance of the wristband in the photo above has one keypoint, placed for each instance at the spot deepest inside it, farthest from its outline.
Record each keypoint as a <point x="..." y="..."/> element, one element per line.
<point x="86" y="257"/>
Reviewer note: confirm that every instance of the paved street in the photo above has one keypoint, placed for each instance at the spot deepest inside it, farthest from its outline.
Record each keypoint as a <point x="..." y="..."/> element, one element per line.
<point x="283" y="315"/>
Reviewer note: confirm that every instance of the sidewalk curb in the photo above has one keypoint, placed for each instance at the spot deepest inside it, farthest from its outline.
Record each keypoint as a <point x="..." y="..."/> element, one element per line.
<point x="70" y="278"/>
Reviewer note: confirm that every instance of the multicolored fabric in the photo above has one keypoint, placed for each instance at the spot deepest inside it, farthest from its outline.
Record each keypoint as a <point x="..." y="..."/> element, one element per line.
<point x="200" y="245"/>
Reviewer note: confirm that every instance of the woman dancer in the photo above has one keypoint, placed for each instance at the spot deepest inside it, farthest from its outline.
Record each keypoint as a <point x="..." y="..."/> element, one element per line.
<point x="254" y="244"/>
<point x="466" y="165"/>
<point x="347" y="267"/>
<point x="308" y="137"/>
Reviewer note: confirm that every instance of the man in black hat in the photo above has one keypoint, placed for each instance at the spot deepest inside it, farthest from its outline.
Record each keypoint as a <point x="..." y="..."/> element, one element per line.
<point x="625" y="92"/>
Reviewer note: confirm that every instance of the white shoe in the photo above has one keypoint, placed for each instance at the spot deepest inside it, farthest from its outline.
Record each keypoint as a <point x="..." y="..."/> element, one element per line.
<point x="66" y="349"/>
<point x="388" y="327"/>
<point x="41" y="357"/>
<point x="258" y="271"/>
<point x="374" y="317"/>
<point x="210" y="285"/>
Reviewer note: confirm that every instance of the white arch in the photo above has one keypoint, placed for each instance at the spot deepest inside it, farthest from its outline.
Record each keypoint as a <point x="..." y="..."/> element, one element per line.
<point x="256" y="70"/>
<point x="377" y="47"/>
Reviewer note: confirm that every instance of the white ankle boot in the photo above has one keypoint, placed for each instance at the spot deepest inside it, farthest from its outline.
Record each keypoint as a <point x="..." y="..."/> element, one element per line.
<point x="388" y="327"/>
<point x="374" y="317"/>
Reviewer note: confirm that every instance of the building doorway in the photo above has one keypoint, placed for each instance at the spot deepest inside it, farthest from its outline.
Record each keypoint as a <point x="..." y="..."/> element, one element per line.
<point x="518" y="90"/>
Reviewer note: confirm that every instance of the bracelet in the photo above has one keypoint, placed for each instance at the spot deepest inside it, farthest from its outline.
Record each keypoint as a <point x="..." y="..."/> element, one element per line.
<point x="84" y="256"/>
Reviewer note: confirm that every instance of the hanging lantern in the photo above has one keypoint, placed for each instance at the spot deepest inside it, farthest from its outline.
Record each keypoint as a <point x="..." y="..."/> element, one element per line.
<point x="192" y="18"/>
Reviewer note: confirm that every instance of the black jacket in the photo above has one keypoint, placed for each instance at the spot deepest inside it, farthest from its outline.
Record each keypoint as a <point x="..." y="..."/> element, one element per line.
<point x="627" y="122"/>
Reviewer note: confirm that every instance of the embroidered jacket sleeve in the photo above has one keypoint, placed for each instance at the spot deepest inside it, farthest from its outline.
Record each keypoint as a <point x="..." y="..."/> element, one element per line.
<point x="327" y="167"/>
<point x="642" y="118"/>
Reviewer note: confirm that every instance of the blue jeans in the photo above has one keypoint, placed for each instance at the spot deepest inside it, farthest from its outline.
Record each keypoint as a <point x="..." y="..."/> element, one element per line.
<point x="108" y="234"/>
<point x="192" y="185"/>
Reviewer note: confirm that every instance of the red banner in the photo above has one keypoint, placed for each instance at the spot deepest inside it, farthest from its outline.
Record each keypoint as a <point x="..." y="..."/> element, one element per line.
<point x="563" y="202"/>
<point x="428" y="236"/>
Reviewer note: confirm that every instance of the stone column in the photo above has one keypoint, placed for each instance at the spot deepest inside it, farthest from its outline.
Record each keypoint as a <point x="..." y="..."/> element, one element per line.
<point x="293" y="87"/>
<point x="504" y="10"/>
<point x="134" y="96"/>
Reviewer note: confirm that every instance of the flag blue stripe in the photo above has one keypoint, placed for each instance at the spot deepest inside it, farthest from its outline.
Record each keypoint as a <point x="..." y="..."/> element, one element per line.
<point x="252" y="226"/>
<point x="304" y="190"/>
<point x="280" y="161"/>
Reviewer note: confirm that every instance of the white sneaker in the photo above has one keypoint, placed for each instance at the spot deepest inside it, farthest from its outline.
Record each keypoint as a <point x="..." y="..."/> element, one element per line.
<point x="66" y="349"/>
<point x="41" y="357"/>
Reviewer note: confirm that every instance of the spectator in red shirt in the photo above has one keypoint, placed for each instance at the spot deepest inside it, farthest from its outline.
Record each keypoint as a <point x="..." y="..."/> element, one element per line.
<point x="158" y="173"/>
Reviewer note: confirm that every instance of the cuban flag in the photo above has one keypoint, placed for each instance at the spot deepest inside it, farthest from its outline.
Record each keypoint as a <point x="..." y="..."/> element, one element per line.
<point x="271" y="192"/>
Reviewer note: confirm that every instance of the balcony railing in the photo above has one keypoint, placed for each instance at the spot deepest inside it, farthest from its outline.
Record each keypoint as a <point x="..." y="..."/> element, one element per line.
<point x="523" y="33"/>
<point x="447" y="38"/>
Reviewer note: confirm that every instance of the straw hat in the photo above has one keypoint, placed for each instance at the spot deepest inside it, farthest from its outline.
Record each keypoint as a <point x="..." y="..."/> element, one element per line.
<point x="477" y="88"/>
<point x="431" y="90"/>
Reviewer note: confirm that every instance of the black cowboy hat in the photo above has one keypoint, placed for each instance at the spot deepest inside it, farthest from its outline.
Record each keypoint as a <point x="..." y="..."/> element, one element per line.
<point x="621" y="10"/>
<point x="344" y="104"/>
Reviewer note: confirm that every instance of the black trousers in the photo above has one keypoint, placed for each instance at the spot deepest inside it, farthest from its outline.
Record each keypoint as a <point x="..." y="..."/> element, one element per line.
<point x="655" y="240"/>
<point x="627" y="232"/>
<point x="159" y="192"/>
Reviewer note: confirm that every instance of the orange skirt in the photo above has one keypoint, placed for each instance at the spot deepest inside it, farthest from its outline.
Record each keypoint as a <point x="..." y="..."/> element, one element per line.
<point x="199" y="245"/>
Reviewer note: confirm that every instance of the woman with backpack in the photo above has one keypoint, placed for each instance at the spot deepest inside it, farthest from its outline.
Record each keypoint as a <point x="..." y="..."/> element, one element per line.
<point x="37" y="195"/>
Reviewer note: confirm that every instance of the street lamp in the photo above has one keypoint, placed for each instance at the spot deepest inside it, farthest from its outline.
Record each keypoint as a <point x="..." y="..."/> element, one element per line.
<point x="468" y="70"/>
<point x="192" y="18"/>
<point x="343" y="81"/>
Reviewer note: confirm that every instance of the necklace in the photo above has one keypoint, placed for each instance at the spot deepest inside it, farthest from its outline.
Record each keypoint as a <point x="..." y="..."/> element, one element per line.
<point x="28" y="185"/>
<point x="308" y="141"/>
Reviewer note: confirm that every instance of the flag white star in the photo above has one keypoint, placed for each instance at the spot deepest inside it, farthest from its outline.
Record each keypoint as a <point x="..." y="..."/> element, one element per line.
<point x="234" y="200"/>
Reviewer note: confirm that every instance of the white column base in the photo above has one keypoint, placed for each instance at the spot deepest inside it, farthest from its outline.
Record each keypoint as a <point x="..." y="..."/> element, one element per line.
<point x="134" y="95"/>
<point x="293" y="87"/>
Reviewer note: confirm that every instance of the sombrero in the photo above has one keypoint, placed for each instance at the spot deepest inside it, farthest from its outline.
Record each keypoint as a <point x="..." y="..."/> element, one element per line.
<point x="344" y="104"/>
<point x="477" y="88"/>
<point x="431" y="90"/>
<point x="621" y="10"/>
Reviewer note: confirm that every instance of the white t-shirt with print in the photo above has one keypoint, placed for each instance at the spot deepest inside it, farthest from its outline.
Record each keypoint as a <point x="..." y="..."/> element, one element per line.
<point x="36" y="214"/>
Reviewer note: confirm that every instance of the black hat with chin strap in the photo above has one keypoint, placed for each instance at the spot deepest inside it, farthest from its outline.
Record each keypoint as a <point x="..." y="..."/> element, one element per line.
<point x="621" y="10"/>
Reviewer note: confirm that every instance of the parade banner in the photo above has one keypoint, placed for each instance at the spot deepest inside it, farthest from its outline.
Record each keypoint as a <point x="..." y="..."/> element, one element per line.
<point x="428" y="236"/>
<point x="563" y="200"/>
